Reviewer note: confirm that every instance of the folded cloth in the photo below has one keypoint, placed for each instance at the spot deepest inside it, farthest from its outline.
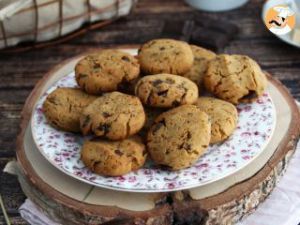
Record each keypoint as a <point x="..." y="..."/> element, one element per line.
<point x="33" y="215"/>
<point x="283" y="205"/>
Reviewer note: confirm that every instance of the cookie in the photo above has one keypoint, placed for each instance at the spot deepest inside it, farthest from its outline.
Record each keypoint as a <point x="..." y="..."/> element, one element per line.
<point x="202" y="57"/>
<point x="235" y="78"/>
<point x="105" y="71"/>
<point x="114" y="158"/>
<point x="113" y="115"/>
<point x="166" y="90"/>
<point x="165" y="56"/>
<point x="179" y="137"/>
<point x="224" y="117"/>
<point x="63" y="108"/>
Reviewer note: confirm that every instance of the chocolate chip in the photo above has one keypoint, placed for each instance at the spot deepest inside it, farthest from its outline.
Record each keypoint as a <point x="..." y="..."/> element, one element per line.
<point x="163" y="93"/>
<point x="188" y="147"/>
<point x="53" y="100"/>
<point x="189" y="135"/>
<point x="157" y="82"/>
<point x="106" y="114"/>
<point x="97" y="162"/>
<point x="104" y="127"/>
<point x="119" y="152"/>
<point x="125" y="58"/>
<point x="86" y="121"/>
<point x="159" y="125"/>
<point x="97" y="66"/>
<point x="175" y="103"/>
<point x="170" y="81"/>
<point x="185" y="146"/>
<point x="162" y="48"/>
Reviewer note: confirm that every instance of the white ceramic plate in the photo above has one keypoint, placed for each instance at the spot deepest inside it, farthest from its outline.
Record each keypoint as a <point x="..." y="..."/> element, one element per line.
<point x="255" y="127"/>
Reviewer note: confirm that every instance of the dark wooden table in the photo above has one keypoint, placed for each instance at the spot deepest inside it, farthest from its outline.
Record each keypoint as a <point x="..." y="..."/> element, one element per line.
<point x="20" y="72"/>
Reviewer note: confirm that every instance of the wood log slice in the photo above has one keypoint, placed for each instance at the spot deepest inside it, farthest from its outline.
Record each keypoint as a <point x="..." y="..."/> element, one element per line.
<point x="69" y="201"/>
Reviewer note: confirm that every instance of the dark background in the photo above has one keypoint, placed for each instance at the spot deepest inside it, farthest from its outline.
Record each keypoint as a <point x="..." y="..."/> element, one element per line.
<point x="151" y="18"/>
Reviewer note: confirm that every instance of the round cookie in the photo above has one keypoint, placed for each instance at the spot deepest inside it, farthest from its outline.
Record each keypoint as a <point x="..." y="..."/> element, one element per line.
<point x="113" y="115"/>
<point x="202" y="57"/>
<point x="114" y="158"/>
<point x="235" y="78"/>
<point x="224" y="117"/>
<point x="63" y="108"/>
<point x="166" y="90"/>
<point x="105" y="71"/>
<point x="179" y="137"/>
<point x="165" y="56"/>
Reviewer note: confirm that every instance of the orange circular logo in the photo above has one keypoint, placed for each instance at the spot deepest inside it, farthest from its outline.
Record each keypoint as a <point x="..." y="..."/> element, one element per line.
<point x="280" y="19"/>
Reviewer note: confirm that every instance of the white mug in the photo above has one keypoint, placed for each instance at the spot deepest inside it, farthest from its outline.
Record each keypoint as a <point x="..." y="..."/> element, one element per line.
<point x="216" y="5"/>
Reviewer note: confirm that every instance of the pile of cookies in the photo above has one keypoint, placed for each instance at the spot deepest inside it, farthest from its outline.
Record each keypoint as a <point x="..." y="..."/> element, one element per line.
<point x="150" y="104"/>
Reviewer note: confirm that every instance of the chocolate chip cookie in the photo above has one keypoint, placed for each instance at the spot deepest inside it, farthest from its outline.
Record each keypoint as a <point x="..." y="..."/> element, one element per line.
<point x="235" y="78"/>
<point x="63" y="108"/>
<point x="114" y="158"/>
<point x="166" y="90"/>
<point x="165" y="56"/>
<point x="179" y="137"/>
<point x="113" y="115"/>
<point x="224" y="117"/>
<point x="105" y="71"/>
<point x="201" y="58"/>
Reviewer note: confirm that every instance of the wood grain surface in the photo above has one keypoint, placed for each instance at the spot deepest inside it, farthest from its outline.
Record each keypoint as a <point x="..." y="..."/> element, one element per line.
<point x="19" y="72"/>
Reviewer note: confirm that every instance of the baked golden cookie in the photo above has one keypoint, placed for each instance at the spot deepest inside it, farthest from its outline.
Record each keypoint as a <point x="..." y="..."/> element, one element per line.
<point x="166" y="90"/>
<point x="235" y="78"/>
<point x="165" y="56"/>
<point x="114" y="158"/>
<point x="201" y="58"/>
<point x="63" y="108"/>
<point x="113" y="115"/>
<point x="224" y="117"/>
<point x="179" y="137"/>
<point x="105" y="71"/>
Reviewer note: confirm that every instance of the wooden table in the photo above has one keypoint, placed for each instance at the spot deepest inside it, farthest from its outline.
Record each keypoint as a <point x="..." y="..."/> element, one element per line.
<point x="20" y="72"/>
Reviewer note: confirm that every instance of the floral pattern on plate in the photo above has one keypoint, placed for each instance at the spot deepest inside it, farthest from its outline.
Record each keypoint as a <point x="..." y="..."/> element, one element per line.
<point x="255" y="126"/>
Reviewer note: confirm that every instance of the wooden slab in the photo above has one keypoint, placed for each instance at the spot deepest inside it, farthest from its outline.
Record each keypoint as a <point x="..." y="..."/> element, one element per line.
<point x="228" y="199"/>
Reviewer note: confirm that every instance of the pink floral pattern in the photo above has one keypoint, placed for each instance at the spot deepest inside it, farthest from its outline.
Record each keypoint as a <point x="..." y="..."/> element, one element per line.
<point x="255" y="127"/>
